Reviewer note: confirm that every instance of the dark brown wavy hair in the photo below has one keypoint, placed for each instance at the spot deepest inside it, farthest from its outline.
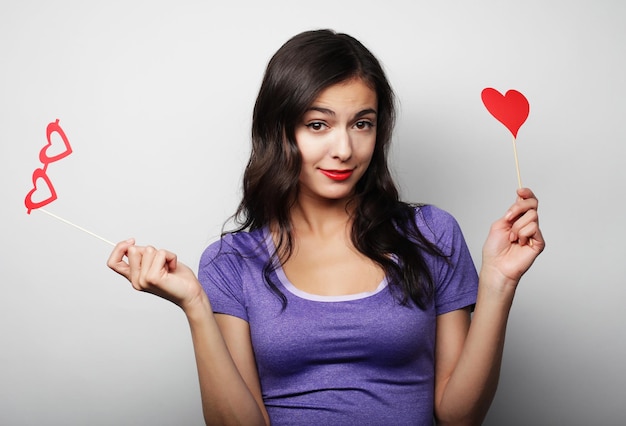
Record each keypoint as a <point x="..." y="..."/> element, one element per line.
<point x="382" y="225"/>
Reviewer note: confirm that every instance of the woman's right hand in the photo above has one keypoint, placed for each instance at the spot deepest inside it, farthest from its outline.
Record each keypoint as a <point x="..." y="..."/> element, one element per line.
<point x="157" y="272"/>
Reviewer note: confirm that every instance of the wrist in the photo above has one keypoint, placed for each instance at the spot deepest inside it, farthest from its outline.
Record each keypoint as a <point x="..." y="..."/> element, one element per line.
<point x="496" y="285"/>
<point x="197" y="306"/>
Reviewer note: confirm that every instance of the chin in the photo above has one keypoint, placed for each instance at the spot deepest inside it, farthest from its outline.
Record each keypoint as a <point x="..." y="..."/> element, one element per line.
<point x="337" y="196"/>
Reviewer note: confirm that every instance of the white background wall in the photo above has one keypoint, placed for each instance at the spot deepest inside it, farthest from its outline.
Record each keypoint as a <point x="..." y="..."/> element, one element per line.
<point x="156" y="98"/>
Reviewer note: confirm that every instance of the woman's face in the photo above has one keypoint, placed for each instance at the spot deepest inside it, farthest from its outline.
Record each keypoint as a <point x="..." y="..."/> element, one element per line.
<point x="336" y="139"/>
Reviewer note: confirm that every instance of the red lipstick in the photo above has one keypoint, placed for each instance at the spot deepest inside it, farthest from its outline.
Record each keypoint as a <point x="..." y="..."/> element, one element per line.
<point x="338" y="175"/>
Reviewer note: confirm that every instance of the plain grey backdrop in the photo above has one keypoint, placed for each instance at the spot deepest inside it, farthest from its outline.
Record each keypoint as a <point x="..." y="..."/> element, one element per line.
<point x="156" y="99"/>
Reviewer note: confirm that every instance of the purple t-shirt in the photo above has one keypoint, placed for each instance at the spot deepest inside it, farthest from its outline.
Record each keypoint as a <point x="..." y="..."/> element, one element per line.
<point x="361" y="359"/>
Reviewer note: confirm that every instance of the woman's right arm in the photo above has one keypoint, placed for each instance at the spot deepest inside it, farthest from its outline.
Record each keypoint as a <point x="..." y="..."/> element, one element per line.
<point x="229" y="382"/>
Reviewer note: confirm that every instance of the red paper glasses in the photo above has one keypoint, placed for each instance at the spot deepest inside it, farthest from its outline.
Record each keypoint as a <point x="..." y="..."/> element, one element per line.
<point x="40" y="178"/>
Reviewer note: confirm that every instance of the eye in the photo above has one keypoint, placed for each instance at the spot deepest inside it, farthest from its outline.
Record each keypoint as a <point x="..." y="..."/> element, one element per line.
<point x="363" y="124"/>
<point x="316" y="126"/>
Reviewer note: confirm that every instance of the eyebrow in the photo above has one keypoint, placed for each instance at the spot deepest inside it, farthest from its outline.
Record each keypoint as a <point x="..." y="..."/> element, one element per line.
<point x="332" y="113"/>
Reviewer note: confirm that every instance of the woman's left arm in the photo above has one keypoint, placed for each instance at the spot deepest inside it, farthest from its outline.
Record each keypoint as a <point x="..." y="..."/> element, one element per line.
<point x="469" y="354"/>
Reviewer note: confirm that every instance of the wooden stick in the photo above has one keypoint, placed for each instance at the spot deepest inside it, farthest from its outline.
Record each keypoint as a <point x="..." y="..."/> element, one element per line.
<point x="76" y="226"/>
<point x="519" y="179"/>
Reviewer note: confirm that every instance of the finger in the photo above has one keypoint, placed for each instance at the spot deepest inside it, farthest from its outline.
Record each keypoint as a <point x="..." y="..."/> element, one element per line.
<point x="520" y="207"/>
<point x="171" y="259"/>
<point x="160" y="265"/>
<point x="134" y="255"/>
<point x="530" y="234"/>
<point x="528" y="228"/>
<point x="147" y="263"/>
<point x="525" y="193"/>
<point x="116" y="259"/>
<point x="524" y="226"/>
<point x="164" y="261"/>
<point x="527" y="233"/>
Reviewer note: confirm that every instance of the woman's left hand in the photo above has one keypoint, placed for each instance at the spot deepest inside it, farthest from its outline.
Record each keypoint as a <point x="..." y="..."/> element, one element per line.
<point x="515" y="240"/>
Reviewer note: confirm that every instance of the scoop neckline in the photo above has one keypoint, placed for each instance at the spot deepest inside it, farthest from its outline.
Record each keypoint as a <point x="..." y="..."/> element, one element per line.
<point x="291" y="288"/>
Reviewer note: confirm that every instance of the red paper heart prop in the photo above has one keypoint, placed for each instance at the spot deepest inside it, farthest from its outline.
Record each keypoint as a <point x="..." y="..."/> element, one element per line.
<point x="30" y="204"/>
<point x="511" y="109"/>
<point x="67" y="150"/>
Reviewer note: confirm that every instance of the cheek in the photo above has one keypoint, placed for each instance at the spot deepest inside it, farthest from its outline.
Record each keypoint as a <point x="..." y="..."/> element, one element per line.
<point x="311" y="151"/>
<point x="365" y="149"/>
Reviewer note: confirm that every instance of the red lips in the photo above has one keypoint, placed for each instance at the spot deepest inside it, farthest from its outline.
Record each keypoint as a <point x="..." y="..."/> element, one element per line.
<point x="337" y="175"/>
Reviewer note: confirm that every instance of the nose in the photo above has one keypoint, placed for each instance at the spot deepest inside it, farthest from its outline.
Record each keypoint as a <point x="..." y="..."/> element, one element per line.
<point x="341" y="147"/>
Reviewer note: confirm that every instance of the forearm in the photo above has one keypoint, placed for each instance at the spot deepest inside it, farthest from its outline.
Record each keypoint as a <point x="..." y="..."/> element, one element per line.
<point x="226" y="399"/>
<point x="468" y="393"/>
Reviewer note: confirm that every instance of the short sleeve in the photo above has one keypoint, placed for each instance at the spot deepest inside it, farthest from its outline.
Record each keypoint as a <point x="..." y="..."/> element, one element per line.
<point x="220" y="275"/>
<point x="455" y="276"/>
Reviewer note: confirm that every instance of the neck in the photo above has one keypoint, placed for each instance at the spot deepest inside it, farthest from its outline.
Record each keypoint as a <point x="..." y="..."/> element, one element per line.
<point x="325" y="217"/>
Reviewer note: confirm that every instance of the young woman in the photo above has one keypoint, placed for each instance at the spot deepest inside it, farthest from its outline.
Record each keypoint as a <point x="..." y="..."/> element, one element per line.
<point x="334" y="302"/>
